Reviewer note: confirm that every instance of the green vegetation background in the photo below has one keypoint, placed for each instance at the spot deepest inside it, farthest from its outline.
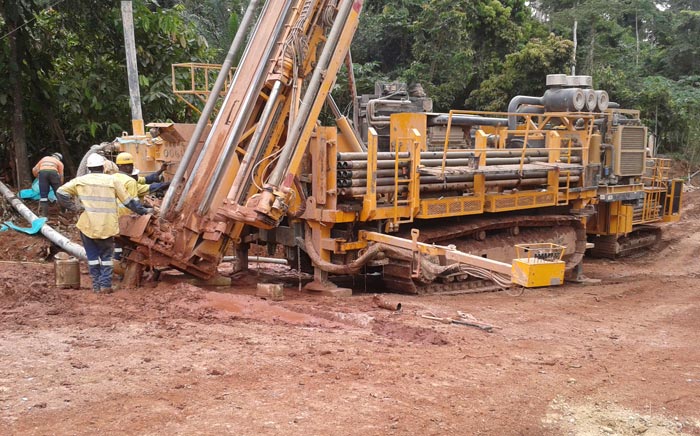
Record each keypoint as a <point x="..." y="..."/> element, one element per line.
<point x="64" y="77"/>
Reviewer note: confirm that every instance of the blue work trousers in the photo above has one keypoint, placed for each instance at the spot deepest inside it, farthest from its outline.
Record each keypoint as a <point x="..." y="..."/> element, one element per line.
<point x="99" y="253"/>
<point x="48" y="180"/>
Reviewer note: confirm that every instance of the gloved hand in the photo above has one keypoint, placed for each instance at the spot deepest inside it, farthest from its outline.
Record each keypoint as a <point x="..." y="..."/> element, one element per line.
<point x="135" y="206"/>
<point x="66" y="201"/>
<point x="158" y="187"/>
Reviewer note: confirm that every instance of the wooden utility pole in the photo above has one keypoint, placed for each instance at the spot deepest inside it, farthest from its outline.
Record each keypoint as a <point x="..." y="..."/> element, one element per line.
<point x="132" y="68"/>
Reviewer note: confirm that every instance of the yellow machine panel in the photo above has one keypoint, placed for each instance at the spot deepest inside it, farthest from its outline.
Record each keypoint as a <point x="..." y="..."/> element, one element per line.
<point x="532" y="273"/>
<point x="612" y="219"/>
<point x="538" y="265"/>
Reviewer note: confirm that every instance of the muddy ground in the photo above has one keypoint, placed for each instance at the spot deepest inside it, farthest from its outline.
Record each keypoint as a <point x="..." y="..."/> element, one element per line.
<point x="617" y="358"/>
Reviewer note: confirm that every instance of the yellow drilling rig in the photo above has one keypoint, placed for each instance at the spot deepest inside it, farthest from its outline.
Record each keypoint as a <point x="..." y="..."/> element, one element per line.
<point x="431" y="202"/>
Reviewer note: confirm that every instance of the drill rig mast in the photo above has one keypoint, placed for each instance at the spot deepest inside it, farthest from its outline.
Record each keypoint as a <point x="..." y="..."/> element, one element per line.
<point x="244" y="173"/>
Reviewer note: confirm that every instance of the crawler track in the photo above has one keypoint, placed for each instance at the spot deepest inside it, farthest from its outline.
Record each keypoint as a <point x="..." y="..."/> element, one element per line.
<point x="613" y="247"/>
<point x="501" y="234"/>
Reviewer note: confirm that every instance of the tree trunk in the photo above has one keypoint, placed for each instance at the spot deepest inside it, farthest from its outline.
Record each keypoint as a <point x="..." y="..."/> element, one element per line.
<point x="636" y="32"/>
<point x="64" y="145"/>
<point x="573" y="55"/>
<point x="591" y="51"/>
<point x="53" y="123"/>
<point x="19" y="138"/>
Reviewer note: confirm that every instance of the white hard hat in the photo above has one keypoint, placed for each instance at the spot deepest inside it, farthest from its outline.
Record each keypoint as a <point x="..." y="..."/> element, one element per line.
<point x="95" y="160"/>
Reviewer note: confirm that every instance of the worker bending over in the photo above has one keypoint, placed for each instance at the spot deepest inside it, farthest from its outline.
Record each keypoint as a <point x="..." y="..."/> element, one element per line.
<point x="98" y="194"/>
<point x="49" y="171"/>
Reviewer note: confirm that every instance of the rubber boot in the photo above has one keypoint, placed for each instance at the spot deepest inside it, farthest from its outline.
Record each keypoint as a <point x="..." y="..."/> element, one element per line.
<point x="44" y="208"/>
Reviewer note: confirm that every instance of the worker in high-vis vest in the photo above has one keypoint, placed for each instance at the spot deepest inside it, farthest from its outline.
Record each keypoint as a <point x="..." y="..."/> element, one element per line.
<point x="49" y="171"/>
<point x="150" y="184"/>
<point x="98" y="194"/>
<point x="125" y="163"/>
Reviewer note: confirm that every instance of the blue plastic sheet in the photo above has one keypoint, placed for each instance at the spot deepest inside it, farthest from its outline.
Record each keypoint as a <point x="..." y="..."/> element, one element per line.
<point x="37" y="224"/>
<point x="33" y="193"/>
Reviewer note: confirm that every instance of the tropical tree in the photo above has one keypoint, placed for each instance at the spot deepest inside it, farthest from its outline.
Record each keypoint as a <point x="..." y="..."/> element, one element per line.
<point x="70" y="80"/>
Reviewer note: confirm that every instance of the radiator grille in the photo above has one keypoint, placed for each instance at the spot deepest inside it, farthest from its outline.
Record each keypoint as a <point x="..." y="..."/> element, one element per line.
<point x="632" y="138"/>
<point x="630" y="157"/>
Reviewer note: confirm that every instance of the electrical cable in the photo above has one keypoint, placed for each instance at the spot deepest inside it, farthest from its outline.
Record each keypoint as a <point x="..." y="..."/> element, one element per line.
<point x="29" y="21"/>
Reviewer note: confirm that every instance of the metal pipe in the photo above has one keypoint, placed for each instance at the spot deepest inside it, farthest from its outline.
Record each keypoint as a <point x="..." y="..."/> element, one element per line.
<point x="514" y="175"/>
<point x="384" y="164"/>
<point x="344" y="126"/>
<point x="514" y="160"/>
<point x="515" y="102"/>
<point x="502" y="152"/>
<point x="311" y="93"/>
<point x="254" y="147"/>
<point x="449" y="178"/>
<point x="46" y="230"/>
<point x="463" y="186"/>
<point x="537" y="110"/>
<point x="209" y="106"/>
<point x="385" y="155"/>
<point x="258" y="259"/>
<point x="360" y="165"/>
<point x="505" y="184"/>
<point x="245" y="108"/>
<point x="467" y="120"/>
<point x="384" y="304"/>
<point x="383" y="120"/>
<point x="353" y="89"/>
<point x="451" y="162"/>
<point x="362" y="174"/>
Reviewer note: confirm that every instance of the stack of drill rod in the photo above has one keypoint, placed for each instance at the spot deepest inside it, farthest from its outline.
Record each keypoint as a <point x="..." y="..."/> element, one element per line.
<point x="352" y="171"/>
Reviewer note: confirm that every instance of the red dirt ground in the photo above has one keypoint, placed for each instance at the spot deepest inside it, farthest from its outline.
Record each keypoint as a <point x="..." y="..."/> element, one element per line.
<point x="618" y="358"/>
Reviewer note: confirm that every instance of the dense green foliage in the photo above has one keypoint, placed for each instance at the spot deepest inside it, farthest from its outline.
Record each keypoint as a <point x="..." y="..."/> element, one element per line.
<point x="645" y="53"/>
<point x="66" y="59"/>
<point x="477" y="54"/>
<point x="72" y="72"/>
